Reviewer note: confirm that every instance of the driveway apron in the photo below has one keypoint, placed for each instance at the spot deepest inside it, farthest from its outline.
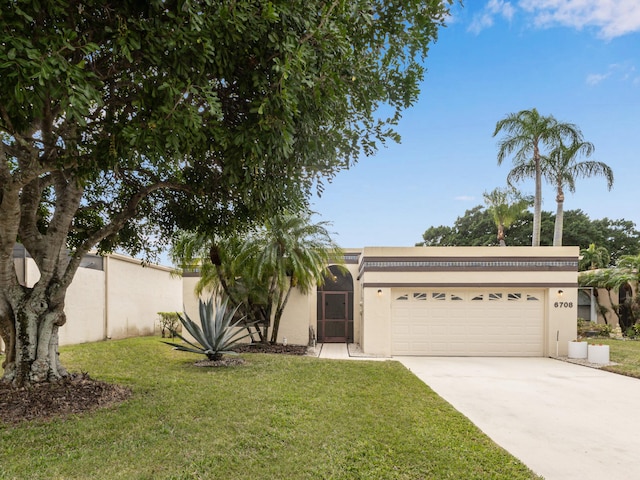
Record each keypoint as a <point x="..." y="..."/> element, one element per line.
<point x="564" y="421"/>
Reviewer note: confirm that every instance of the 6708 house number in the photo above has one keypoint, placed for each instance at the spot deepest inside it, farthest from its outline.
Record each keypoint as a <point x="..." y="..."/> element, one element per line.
<point x="563" y="305"/>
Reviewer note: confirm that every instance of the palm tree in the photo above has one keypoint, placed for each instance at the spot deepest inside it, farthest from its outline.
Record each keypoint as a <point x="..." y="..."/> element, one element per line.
<point x="561" y="169"/>
<point x="289" y="252"/>
<point x="259" y="270"/>
<point x="505" y="207"/>
<point x="527" y="133"/>
<point x="593" y="258"/>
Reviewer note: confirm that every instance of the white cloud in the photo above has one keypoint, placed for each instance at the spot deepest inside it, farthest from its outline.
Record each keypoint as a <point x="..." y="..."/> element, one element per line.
<point x="596" y="78"/>
<point x="623" y="72"/>
<point x="485" y="18"/>
<point x="480" y="22"/>
<point x="500" y="7"/>
<point x="613" y="18"/>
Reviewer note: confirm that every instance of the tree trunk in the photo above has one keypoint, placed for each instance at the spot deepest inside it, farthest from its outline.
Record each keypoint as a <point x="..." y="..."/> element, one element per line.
<point x="32" y="346"/>
<point x="283" y="298"/>
<point x="557" y="230"/>
<point x="537" y="201"/>
<point x="501" y="241"/>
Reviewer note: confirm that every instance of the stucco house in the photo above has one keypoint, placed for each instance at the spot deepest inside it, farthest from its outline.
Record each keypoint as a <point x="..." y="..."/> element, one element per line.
<point x="457" y="301"/>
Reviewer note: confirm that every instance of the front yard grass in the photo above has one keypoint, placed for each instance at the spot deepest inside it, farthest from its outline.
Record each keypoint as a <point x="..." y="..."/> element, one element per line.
<point x="626" y="353"/>
<point x="275" y="417"/>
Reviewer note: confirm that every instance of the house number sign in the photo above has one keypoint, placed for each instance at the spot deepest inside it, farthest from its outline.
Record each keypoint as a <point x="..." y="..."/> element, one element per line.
<point x="563" y="305"/>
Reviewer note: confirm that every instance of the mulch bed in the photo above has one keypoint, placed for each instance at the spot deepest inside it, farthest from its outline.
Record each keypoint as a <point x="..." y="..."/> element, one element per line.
<point x="78" y="393"/>
<point x="271" y="348"/>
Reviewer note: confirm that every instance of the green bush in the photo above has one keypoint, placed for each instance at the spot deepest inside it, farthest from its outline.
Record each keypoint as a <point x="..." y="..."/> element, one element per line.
<point x="169" y="323"/>
<point x="592" y="329"/>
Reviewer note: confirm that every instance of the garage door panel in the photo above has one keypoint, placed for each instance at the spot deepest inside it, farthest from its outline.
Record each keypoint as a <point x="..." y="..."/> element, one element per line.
<point x="495" y="324"/>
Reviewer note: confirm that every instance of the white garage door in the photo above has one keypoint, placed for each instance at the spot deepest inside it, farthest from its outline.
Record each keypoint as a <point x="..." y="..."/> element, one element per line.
<point x="467" y="322"/>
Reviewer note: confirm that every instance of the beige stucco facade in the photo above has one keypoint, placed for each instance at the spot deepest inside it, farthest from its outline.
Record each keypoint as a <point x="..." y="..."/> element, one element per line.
<point x="116" y="297"/>
<point x="551" y="270"/>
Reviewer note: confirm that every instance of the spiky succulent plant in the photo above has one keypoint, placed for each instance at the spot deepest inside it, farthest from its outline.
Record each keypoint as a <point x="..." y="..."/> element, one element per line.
<point x="217" y="333"/>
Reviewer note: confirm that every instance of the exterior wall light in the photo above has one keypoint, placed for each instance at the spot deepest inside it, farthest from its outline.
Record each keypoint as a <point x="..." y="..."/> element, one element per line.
<point x="379" y="292"/>
<point x="560" y="292"/>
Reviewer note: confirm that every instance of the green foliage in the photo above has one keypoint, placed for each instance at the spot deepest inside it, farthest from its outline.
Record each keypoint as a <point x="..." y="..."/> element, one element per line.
<point x="593" y="257"/>
<point x="217" y="333"/>
<point x="476" y="227"/>
<point x="169" y="322"/>
<point x="587" y="329"/>
<point x="505" y="207"/>
<point x="258" y="270"/>
<point x="527" y="136"/>
<point x="122" y="122"/>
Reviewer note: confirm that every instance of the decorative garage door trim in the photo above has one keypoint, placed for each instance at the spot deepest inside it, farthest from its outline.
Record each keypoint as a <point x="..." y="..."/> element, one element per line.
<point x="448" y="264"/>
<point x="469" y="322"/>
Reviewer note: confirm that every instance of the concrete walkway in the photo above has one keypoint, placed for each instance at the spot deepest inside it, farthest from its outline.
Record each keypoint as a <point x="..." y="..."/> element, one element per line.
<point x="343" y="351"/>
<point x="564" y="421"/>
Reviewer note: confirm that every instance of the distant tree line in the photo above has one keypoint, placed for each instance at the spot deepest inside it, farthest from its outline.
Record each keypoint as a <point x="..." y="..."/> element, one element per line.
<point x="477" y="227"/>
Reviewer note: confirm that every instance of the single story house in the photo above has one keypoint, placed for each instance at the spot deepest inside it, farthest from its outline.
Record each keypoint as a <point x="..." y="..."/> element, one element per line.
<point x="458" y="301"/>
<point x="455" y="301"/>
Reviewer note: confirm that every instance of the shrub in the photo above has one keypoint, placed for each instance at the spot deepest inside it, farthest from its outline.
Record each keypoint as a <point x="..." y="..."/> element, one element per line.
<point x="217" y="333"/>
<point x="169" y="322"/>
<point x="591" y="329"/>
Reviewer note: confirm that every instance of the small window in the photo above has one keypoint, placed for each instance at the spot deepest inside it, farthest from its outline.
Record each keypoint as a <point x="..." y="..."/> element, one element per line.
<point x="420" y="297"/>
<point x="495" y="296"/>
<point x="438" y="296"/>
<point x="478" y="298"/>
<point x="532" y="298"/>
<point x="514" y="297"/>
<point x="455" y="298"/>
<point x="403" y="297"/>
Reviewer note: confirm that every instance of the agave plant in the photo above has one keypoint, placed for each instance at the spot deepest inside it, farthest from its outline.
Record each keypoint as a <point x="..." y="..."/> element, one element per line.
<point x="217" y="332"/>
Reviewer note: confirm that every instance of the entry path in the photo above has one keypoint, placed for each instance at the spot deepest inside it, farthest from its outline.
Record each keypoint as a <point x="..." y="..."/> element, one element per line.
<point x="564" y="421"/>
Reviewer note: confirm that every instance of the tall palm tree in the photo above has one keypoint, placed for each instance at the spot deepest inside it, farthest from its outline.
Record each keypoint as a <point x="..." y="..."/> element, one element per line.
<point x="527" y="135"/>
<point x="562" y="169"/>
<point x="505" y="207"/>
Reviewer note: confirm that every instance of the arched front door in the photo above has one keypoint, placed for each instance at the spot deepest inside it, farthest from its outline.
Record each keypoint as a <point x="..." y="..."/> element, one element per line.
<point x="335" y="307"/>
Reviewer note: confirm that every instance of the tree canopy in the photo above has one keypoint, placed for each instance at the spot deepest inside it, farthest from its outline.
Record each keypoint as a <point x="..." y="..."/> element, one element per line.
<point x="120" y="121"/>
<point x="476" y="227"/>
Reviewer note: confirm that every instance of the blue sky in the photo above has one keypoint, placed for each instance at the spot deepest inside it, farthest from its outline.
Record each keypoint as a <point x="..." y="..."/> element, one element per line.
<point x="578" y="60"/>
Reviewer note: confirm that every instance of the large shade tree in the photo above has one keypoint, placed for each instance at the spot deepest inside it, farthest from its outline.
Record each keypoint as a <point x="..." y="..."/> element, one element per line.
<point x="121" y="120"/>
<point x="528" y="136"/>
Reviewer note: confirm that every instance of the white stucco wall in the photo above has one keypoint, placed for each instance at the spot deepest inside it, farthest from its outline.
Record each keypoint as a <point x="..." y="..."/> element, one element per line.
<point x="135" y="294"/>
<point x="84" y="308"/>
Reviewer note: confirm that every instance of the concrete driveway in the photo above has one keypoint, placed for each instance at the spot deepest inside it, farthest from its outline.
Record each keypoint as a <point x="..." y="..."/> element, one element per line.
<point x="564" y="421"/>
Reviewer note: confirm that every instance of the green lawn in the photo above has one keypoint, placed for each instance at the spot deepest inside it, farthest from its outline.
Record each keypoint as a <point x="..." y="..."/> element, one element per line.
<point x="626" y="353"/>
<point x="276" y="417"/>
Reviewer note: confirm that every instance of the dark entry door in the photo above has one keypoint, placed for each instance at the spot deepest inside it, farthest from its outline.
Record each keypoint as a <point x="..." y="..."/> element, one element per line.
<point x="334" y="325"/>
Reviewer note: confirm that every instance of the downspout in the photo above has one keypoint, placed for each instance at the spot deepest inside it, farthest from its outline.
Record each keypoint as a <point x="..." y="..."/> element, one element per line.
<point x="105" y="326"/>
